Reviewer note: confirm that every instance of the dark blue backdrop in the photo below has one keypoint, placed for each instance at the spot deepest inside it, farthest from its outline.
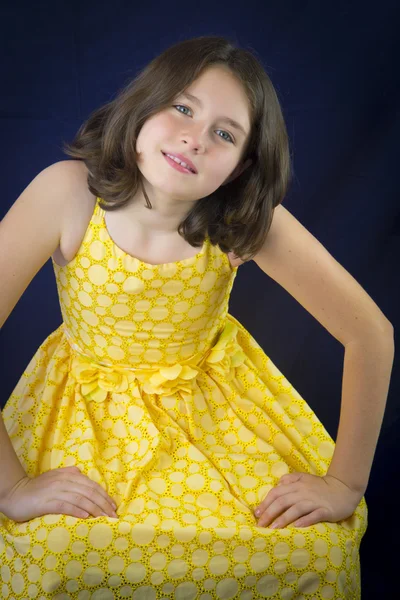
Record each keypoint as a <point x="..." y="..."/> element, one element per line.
<point x="335" y="68"/>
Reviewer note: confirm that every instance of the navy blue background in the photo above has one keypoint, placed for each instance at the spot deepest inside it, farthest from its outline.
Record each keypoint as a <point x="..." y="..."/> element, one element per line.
<point x="335" y="67"/>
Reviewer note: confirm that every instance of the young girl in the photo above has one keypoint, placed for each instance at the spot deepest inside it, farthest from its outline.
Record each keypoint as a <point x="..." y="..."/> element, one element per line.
<point x="150" y="425"/>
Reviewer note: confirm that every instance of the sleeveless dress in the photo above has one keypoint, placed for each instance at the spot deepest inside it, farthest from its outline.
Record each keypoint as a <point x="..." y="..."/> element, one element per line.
<point x="161" y="396"/>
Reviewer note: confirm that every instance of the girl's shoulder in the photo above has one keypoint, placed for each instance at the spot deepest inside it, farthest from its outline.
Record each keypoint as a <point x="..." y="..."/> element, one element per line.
<point x="235" y="260"/>
<point x="79" y="210"/>
<point x="79" y="207"/>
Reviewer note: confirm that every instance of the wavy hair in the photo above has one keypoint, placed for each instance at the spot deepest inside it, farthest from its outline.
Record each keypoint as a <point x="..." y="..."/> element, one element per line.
<point x="238" y="215"/>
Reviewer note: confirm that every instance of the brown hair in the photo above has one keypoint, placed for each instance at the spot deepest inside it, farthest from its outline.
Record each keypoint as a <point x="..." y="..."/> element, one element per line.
<point x="237" y="215"/>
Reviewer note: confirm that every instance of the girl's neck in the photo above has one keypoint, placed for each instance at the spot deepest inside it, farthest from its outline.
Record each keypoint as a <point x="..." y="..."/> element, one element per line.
<point x="163" y="218"/>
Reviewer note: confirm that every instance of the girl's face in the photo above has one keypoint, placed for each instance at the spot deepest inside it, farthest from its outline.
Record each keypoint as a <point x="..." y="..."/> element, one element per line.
<point x="200" y="133"/>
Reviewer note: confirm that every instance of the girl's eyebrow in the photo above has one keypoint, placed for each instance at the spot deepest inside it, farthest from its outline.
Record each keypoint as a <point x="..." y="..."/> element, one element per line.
<point x="231" y="122"/>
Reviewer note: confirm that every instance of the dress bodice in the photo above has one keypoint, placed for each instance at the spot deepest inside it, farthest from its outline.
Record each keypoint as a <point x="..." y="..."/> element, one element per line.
<point x="119" y="310"/>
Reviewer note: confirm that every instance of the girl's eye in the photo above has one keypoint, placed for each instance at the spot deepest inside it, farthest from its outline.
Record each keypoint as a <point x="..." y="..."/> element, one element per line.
<point x="182" y="106"/>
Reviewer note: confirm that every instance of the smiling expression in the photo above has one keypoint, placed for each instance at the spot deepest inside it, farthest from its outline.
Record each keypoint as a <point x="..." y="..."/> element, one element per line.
<point x="200" y="130"/>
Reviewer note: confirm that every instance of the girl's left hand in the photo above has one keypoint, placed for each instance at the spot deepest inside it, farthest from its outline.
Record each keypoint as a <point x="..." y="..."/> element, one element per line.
<point x="307" y="499"/>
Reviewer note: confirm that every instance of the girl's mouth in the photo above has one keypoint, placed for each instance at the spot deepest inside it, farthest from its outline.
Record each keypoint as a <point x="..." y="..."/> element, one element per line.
<point x="177" y="166"/>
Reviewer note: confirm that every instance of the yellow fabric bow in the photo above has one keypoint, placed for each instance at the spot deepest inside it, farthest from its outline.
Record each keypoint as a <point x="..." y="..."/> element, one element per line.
<point x="226" y="355"/>
<point x="168" y="380"/>
<point x="97" y="380"/>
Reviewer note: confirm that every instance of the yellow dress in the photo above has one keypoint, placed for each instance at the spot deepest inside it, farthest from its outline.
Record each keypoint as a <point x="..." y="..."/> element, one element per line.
<point x="161" y="396"/>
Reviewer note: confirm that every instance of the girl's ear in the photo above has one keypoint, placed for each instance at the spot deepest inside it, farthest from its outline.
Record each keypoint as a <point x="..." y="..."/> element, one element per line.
<point x="238" y="170"/>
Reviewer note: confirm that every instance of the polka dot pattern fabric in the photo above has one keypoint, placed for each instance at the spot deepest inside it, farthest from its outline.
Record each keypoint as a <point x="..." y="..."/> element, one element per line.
<point x="161" y="396"/>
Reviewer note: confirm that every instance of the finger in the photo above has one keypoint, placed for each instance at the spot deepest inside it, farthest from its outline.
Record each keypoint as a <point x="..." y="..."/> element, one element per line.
<point x="90" y="500"/>
<point x="85" y="493"/>
<point x="295" y="512"/>
<point x="291" y="477"/>
<point x="85" y="480"/>
<point x="97" y="487"/>
<point x="273" y="494"/>
<point x="63" y="507"/>
<point x="314" y="517"/>
<point x="279" y="506"/>
<point x="55" y="472"/>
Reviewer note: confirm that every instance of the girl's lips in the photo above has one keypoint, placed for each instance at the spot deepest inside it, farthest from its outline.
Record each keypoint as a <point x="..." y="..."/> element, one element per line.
<point x="177" y="166"/>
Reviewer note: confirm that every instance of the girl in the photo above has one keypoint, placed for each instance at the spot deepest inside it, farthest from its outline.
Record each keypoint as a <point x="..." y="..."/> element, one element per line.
<point x="150" y="399"/>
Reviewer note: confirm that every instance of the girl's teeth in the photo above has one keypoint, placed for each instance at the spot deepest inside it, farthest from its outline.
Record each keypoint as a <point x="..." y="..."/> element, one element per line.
<point x="180" y="162"/>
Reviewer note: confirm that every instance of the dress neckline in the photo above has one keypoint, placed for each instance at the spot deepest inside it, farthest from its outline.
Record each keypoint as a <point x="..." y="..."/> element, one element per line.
<point x="184" y="261"/>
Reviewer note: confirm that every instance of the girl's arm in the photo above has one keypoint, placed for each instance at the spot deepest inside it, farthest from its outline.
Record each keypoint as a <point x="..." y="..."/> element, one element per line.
<point x="31" y="231"/>
<point x="294" y="258"/>
<point x="29" y="234"/>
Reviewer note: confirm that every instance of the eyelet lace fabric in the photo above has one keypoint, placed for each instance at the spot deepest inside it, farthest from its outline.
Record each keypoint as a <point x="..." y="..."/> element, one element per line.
<point x="97" y="381"/>
<point x="156" y="392"/>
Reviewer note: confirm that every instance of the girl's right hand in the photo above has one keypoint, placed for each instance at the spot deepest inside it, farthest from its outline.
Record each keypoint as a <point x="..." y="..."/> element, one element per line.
<point x="64" y="491"/>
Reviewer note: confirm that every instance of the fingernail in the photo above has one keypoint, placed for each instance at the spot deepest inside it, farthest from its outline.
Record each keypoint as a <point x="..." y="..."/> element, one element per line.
<point x="258" y="511"/>
<point x="114" y="505"/>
